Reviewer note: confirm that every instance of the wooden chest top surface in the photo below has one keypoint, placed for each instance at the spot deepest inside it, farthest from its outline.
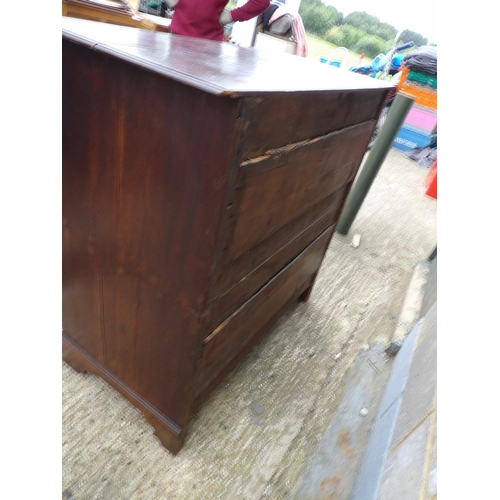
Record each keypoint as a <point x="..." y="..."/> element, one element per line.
<point x="215" y="67"/>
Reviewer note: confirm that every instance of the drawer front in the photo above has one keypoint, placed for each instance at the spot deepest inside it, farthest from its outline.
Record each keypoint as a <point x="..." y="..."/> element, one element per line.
<point x="275" y="189"/>
<point x="225" y="345"/>
<point x="274" y="120"/>
<point x="281" y="194"/>
<point x="244" y="276"/>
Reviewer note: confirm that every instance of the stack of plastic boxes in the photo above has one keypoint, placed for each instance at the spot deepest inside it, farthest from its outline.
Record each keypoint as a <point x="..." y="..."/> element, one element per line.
<point x="421" y="121"/>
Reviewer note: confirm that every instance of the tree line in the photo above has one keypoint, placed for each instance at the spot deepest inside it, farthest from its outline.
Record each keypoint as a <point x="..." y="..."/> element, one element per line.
<point x="358" y="31"/>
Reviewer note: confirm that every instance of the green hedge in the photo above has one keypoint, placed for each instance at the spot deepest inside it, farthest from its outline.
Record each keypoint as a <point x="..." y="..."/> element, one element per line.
<point x="372" y="45"/>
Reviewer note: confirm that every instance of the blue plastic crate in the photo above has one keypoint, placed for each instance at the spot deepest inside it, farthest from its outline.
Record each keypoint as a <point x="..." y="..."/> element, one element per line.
<point x="408" y="138"/>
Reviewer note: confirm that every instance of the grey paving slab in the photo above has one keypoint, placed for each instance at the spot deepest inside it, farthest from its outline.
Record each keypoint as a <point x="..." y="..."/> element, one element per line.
<point x="400" y="457"/>
<point x="369" y="474"/>
<point x="432" y="471"/>
<point x="331" y="471"/>
<point x="404" y="477"/>
<point x="420" y="388"/>
<point x="430" y="296"/>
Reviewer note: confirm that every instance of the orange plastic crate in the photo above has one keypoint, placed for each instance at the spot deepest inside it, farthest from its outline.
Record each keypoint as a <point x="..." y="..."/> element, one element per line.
<point x="423" y="96"/>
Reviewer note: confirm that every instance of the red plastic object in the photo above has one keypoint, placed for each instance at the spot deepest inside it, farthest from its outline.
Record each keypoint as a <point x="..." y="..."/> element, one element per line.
<point x="431" y="181"/>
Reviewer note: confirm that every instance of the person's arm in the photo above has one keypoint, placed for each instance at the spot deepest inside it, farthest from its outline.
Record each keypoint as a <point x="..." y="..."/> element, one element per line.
<point x="251" y="9"/>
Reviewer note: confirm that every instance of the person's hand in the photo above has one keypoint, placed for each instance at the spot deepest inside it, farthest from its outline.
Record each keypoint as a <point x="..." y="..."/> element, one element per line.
<point x="172" y="3"/>
<point x="225" y="17"/>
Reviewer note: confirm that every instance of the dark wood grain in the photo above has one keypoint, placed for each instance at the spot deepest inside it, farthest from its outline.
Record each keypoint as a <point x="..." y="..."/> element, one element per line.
<point x="81" y="295"/>
<point x="143" y="188"/>
<point x="275" y="188"/>
<point x="270" y="121"/>
<point x="170" y="434"/>
<point x="201" y="186"/>
<point x="140" y="173"/>
<point x="242" y="277"/>
<point x="215" y="67"/>
<point x="255" y="316"/>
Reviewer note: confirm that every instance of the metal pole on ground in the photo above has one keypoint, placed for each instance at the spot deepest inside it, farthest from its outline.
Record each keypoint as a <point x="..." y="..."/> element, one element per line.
<point x="381" y="146"/>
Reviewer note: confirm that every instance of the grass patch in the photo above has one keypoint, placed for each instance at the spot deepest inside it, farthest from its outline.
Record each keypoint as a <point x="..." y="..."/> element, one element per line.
<point x="317" y="48"/>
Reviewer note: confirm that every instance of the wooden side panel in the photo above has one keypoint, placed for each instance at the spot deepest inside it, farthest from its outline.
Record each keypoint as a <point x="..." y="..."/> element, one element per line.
<point x="256" y="316"/>
<point x="120" y="315"/>
<point x="138" y="333"/>
<point x="144" y="179"/>
<point x="82" y="295"/>
<point x="145" y="164"/>
<point x="276" y="120"/>
<point x="167" y="352"/>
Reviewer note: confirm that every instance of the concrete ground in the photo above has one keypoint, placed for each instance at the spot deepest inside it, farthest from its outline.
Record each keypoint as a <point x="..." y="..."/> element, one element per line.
<point x="294" y="419"/>
<point x="400" y="456"/>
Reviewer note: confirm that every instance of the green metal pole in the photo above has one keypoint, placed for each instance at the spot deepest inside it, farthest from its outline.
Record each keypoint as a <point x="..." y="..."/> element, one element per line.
<point x="381" y="146"/>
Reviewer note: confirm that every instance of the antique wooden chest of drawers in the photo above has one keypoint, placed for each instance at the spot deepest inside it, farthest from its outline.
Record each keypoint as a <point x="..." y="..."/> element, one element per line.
<point x="201" y="186"/>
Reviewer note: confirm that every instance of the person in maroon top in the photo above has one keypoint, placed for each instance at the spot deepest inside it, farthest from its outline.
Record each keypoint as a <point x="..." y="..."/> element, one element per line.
<point x="207" y="18"/>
